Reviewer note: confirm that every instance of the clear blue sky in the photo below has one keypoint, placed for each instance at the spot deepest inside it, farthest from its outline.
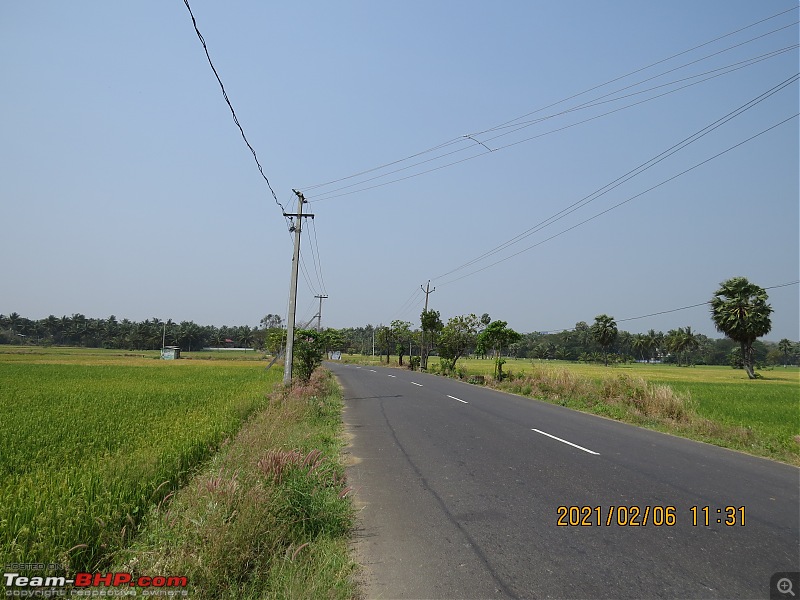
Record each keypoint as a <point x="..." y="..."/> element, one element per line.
<point x="126" y="189"/>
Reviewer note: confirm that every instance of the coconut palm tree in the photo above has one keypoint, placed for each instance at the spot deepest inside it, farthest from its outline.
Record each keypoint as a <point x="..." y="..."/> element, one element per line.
<point x="604" y="331"/>
<point x="690" y="343"/>
<point x="640" y="345"/>
<point x="785" y="346"/>
<point x="739" y="309"/>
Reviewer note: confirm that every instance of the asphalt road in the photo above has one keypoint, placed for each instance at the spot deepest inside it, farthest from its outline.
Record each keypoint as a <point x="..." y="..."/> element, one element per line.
<point x="459" y="489"/>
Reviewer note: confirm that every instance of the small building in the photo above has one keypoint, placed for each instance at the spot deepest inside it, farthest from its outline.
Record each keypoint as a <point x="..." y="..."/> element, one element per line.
<point x="170" y="352"/>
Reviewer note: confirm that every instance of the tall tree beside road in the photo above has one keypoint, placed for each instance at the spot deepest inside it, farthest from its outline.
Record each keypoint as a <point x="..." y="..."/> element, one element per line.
<point x="739" y="309"/>
<point x="495" y="336"/>
<point x="456" y="338"/>
<point x="604" y="332"/>
<point x="384" y="335"/>
<point x="431" y="326"/>
<point x="402" y="335"/>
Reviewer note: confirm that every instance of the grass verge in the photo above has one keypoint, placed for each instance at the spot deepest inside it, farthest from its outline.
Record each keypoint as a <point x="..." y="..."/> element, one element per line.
<point x="671" y="408"/>
<point x="270" y="517"/>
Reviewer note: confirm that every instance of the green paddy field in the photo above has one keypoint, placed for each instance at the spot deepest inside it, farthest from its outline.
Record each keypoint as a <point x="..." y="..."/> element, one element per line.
<point x="90" y="439"/>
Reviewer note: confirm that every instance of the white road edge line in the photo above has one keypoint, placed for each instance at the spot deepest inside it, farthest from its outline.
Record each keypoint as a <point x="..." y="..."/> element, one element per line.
<point x="459" y="399"/>
<point x="415" y="383"/>
<point x="566" y="442"/>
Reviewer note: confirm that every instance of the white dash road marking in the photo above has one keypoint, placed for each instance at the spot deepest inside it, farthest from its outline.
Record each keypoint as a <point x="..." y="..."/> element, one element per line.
<point x="373" y="371"/>
<point x="415" y="383"/>
<point x="459" y="399"/>
<point x="392" y="375"/>
<point x="566" y="442"/>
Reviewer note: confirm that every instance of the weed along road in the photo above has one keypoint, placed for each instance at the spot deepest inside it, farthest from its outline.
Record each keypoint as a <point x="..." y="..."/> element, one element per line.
<point x="464" y="492"/>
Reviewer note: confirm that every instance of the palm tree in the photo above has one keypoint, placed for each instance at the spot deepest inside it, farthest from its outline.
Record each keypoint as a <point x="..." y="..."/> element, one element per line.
<point x="604" y="331"/>
<point x="673" y="342"/>
<point x="12" y="321"/>
<point x="690" y="343"/>
<point x="739" y="309"/>
<point x="640" y="344"/>
<point x="654" y="342"/>
<point x="785" y="346"/>
<point x="245" y="336"/>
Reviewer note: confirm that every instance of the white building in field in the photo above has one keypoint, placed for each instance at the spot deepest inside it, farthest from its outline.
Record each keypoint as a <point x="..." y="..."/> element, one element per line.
<point x="170" y="352"/>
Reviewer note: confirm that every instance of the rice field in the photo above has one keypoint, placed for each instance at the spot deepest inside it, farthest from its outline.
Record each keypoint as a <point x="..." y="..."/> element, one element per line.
<point x="90" y="440"/>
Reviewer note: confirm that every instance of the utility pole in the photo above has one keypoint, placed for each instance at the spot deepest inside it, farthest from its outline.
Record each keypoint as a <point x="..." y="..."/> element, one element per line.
<point x="319" y="314"/>
<point x="422" y="350"/>
<point x="287" y="367"/>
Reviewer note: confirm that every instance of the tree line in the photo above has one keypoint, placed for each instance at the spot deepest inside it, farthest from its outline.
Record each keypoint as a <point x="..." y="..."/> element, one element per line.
<point x="462" y="335"/>
<point x="150" y="334"/>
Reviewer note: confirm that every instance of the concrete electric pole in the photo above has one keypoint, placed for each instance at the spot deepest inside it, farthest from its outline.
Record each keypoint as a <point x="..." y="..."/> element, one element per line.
<point x="423" y="351"/>
<point x="319" y="314"/>
<point x="287" y="367"/>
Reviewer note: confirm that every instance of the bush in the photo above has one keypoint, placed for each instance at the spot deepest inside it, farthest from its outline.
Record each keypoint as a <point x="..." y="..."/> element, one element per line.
<point x="308" y="352"/>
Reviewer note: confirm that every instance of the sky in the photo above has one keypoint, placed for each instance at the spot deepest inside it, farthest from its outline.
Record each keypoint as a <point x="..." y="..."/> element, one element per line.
<point x="449" y="129"/>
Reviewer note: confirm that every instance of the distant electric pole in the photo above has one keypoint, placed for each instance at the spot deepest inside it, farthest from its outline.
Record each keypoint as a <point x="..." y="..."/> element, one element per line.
<point x="428" y="291"/>
<point x="319" y="314"/>
<point x="287" y="368"/>
<point x="423" y="350"/>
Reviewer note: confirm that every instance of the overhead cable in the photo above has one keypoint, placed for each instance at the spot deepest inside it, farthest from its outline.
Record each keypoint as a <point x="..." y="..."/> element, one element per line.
<point x="325" y="196"/>
<point x="629" y="175"/>
<point x="672" y="310"/>
<point x="460" y="139"/>
<point x="230" y="106"/>
<point x="623" y="202"/>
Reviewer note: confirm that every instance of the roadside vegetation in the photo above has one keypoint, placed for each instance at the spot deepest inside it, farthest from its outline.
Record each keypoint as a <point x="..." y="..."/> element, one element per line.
<point x="270" y="516"/>
<point x="190" y="468"/>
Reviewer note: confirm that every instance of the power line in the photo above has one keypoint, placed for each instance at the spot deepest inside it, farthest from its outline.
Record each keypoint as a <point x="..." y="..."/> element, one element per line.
<point x="306" y="277"/>
<point x="624" y="201"/>
<point x="604" y="99"/>
<point x="230" y="106"/>
<point x="409" y="304"/>
<point x="509" y="123"/>
<point x="319" y="256"/>
<point x="629" y="175"/>
<point x="331" y="194"/>
<point x="672" y="310"/>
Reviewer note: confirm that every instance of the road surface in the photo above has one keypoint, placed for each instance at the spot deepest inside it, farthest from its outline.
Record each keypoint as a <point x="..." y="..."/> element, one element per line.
<point x="465" y="492"/>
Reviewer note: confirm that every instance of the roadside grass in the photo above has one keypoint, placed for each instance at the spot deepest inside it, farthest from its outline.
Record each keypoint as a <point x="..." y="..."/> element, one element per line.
<point x="269" y="517"/>
<point x="367" y="359"/>
<point x="713" y="404"/>
<point x="90" y="440"/>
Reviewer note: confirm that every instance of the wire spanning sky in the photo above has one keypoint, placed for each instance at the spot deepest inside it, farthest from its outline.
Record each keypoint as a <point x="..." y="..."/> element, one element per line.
<point x="479" y="145"/>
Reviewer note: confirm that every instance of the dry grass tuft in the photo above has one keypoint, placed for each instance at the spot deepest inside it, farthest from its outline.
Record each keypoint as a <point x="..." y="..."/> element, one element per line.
<point x="631" y="395"/>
